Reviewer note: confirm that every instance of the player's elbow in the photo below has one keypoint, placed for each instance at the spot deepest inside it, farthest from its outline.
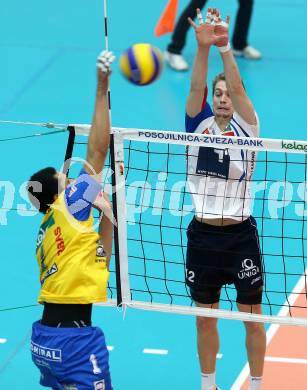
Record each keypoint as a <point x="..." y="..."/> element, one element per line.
<point x="95" y="159"/>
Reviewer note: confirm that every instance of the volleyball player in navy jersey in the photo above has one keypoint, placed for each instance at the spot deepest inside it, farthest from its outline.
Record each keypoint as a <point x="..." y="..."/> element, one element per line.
<point x="223" y="244"/>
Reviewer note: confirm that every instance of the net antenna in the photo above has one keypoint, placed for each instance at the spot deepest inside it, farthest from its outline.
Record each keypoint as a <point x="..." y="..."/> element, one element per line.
<point x="118" y="199"/>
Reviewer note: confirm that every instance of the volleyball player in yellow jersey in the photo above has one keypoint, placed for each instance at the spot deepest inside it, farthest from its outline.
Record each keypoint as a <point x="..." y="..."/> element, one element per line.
<point x="69" y="352"/>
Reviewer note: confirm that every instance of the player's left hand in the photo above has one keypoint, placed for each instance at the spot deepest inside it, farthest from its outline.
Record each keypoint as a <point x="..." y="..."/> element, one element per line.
<point x="102" y="202"/>
<point x="221" y="30"/>
<point x="104" y="206"/>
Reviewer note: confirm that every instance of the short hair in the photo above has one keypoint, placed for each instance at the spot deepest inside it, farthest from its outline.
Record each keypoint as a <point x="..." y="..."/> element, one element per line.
<point x="219" y="77"/>
<point x="43" y="198"/>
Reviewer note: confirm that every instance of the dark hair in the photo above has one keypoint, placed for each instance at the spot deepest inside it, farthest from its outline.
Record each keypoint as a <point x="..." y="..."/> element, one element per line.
<point x="43" y="196"/>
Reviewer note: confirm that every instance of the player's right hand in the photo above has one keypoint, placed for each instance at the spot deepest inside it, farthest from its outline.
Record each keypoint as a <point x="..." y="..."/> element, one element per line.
<point x="104" y="61"/>
<point x="206" y="32"/>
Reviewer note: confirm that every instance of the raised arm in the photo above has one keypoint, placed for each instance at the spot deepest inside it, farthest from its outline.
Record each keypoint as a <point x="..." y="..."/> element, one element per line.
<point x="99" y="138"/>
<point x="205" y="37"/>
<point x="240" y="101"/>
<point x="106" y="224"/>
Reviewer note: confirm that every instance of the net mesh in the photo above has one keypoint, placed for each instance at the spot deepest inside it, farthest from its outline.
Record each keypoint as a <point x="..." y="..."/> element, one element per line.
<point x="159" y="208"/>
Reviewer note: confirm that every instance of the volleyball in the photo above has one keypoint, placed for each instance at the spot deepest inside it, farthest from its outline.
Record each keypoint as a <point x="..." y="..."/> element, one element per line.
<point x="141" y="63"/>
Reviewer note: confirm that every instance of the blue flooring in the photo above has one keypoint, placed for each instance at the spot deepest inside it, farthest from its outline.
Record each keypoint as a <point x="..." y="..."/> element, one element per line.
<point x="47" y="73"/>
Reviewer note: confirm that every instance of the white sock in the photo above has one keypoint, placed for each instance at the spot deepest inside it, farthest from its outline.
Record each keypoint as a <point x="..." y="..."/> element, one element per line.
<point x="255" y="382"/>
<point x="208" y="381"/>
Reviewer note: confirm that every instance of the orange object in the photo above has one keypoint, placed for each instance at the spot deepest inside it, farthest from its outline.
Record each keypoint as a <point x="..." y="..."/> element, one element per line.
<point x="166" y="23"/>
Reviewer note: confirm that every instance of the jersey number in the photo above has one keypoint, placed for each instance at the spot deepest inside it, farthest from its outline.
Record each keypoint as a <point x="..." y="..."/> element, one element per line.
<point x="213" y="162"/>
<point x="190" y="275"/>
<point x="96" y="369"/>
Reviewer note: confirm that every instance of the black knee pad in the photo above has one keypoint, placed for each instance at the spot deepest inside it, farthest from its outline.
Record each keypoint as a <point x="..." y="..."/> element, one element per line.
<point x="207" y="295"/>
<point x="250" y="297"/>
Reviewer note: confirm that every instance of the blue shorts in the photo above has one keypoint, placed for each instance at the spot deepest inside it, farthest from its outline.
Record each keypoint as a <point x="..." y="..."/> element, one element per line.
<point x="71" y="358"/>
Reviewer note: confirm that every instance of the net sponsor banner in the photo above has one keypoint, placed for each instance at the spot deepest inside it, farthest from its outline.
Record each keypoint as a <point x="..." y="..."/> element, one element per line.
<point x="222" y="142"/>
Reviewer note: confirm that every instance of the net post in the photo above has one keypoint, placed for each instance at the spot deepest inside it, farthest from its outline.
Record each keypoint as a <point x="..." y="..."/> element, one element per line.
<point x="119" y="210"/>
<point x="69" y="149"/>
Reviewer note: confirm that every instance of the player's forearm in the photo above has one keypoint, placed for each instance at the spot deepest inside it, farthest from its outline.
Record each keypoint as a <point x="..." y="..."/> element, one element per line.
<point x="99" y="138"/>
<point x="106" y="235"/>
<point x="200" y="69"/>
<point x="240" y="101"/>
<point x="232" y="74"/>
<point x="198" y="82"/>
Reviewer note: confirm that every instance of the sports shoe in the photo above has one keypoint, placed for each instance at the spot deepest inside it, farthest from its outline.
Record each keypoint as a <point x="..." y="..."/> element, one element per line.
<point x="248" y="52"/>
<point x="176" y="61"/>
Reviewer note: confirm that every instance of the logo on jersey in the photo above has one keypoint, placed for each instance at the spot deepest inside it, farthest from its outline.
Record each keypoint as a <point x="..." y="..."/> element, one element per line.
<point x="47" y="353"/>
<point x="248" y="269"/>
<point x="70" y="387"/>
<point x="51" y="271"/>
<point x="206" y="131"/>
<point x="228" y="131"/>
<point x="59" y="241"/>
<point x="100" y="385"/>
<point x="73" y="189"/>
<point x="256" y="280"/>
<point x="43" y="230"/>
<point x="100" y="254"/>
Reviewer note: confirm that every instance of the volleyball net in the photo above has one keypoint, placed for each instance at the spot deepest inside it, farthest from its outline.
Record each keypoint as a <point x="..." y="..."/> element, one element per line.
<point x="154" y="207"/>
<point x="147" y="176"/>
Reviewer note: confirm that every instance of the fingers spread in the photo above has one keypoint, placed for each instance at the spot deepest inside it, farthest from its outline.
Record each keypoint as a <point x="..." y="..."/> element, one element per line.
<point x="214" y="18"/>
<point x="209" y="16"/>
<point x="199" y="17"/>
<point x="105" y="60"/>
<point x="192" y="23"/>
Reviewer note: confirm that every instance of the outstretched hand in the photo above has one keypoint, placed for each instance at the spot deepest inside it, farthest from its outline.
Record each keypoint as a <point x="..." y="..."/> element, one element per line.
<point x="221" y="29"/>
<point x="104" y="61"/>
<point x="213" y="31"/>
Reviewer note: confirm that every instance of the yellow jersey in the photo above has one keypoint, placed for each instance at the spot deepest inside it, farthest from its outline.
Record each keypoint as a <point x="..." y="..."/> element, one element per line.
<point x="72" y="268"/>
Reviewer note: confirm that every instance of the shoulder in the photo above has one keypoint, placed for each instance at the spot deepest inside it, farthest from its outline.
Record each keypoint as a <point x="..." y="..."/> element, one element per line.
<point x="80" y="195"/>
<point x="244" y="129"/>
<point x="191" y="124"/>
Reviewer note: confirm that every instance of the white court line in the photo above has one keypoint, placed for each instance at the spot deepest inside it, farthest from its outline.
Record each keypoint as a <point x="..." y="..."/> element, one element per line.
<point x="110" y="347"/>
<point x="285" y="360"/>
<point x="272" y="329"/>
<point x="3" y="341"/>
<point x="155" y="351"/>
